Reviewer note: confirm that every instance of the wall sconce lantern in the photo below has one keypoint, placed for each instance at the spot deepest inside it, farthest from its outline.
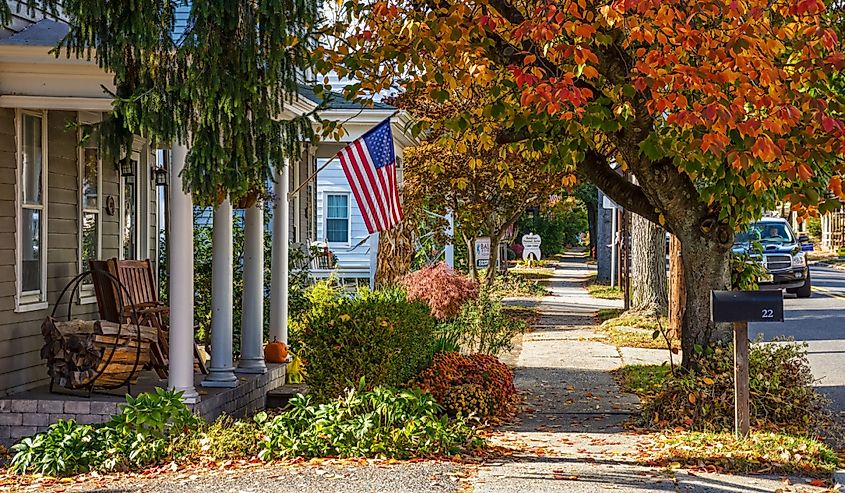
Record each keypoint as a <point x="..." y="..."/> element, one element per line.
<point x="159" y="176"/>
<point x="127" y="167"/>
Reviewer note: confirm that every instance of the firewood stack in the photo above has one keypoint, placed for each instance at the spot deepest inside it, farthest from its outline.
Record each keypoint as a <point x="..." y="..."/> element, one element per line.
<point x="77" y="351"/>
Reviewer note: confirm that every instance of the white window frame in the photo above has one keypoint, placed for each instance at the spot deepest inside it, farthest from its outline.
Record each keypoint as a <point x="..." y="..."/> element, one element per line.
<point x="136" y="155"/>
<point x="86" y="289"/>
<point x="348" y="196"/>
<point x="30" y="300"/>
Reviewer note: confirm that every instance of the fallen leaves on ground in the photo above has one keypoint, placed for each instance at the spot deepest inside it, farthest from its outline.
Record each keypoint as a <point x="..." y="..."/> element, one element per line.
<point x="762" y="453"/>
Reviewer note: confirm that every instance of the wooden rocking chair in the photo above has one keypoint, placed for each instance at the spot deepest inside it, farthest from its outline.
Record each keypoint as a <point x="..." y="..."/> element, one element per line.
<point x="140" y="297"/>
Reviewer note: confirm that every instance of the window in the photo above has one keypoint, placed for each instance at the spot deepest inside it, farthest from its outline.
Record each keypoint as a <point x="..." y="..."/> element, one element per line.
<point x="32" y="212"/>
<point x="337" y="218"/>
<point x="90" y="227"/>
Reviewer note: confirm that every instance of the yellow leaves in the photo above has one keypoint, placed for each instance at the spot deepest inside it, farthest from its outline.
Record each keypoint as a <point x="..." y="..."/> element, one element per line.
<point x="708" y="381"/>
<point x="345" y="317"/>
<point x="691" y="398"/>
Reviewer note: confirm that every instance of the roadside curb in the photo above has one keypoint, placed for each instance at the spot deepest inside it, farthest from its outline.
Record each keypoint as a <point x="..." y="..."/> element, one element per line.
<point x="839" y="477"/>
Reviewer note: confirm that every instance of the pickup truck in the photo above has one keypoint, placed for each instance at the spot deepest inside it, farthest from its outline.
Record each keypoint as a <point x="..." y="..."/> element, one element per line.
<point x="781" y="256"/>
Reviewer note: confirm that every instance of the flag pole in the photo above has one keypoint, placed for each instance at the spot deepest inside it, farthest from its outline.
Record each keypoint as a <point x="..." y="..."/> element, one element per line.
<point x="310" y="177"/>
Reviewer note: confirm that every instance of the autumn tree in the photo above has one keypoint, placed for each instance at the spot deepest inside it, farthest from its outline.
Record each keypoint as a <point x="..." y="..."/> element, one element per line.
<point x="719" y="108"/>
<point x="487" y="188"/>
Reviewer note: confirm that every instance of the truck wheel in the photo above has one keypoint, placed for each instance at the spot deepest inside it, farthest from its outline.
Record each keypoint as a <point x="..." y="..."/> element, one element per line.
<point x="804" y="291"/>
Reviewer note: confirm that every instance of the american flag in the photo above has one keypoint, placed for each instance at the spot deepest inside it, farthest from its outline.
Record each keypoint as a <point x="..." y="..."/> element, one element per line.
<point x="370" y="167"/>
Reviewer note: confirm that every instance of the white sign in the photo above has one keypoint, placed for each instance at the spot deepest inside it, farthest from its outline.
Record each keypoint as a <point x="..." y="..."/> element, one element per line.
<point x="482" y="251"/>
<point x="531" y="246"/>
<point x="606" y="203"/>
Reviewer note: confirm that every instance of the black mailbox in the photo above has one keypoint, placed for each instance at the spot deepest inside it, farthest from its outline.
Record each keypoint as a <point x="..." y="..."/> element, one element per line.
<point x="746" y="306"/>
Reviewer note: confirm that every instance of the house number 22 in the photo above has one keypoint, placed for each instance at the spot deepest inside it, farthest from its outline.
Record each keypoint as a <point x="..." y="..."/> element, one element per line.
<point x="768" y="313"/>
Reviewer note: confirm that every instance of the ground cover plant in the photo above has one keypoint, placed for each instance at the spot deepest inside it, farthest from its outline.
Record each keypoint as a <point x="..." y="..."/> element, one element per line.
<point x="138" y="436"/>
<point x="474" y="384"/>
<point x="381" y="422"/>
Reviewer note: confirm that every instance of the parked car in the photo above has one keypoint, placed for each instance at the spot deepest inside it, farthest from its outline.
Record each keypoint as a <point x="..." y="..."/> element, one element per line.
<point x="782" y="255"/>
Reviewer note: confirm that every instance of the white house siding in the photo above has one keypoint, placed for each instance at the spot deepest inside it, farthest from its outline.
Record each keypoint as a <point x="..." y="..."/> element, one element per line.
<point x="332" y="180"/>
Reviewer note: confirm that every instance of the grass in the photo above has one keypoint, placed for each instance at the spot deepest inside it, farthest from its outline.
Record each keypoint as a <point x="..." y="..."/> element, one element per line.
<point x="605" y="292"/>
<point x="643" y="380"/>
<point x="634" y="330"/>
<point x="772" y="453"/>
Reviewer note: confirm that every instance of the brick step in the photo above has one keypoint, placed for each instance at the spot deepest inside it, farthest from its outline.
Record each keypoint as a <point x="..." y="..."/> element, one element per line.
<point x="279" y="397"/>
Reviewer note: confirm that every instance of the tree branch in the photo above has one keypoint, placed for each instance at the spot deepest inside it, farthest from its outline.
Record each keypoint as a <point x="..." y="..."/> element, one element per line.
<point x="597" y="169"/>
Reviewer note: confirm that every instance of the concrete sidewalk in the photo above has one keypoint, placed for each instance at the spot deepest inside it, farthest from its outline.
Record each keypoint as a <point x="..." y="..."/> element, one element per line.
<point x="571" y="436"/>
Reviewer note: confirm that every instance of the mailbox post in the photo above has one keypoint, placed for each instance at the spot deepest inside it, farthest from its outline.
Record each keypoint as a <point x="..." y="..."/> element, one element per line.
<point x="739" y="308"/>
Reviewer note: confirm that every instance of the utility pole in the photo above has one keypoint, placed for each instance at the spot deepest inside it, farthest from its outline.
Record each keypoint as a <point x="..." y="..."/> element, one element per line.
<point x="626" y="259"/>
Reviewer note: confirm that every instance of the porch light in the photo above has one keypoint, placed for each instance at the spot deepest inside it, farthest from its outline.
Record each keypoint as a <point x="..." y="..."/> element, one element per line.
<point x="127" y="167"/>
<point x="159" y="176"/>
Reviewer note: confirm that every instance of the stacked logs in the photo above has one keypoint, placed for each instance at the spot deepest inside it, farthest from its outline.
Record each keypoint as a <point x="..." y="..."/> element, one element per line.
<point x="86" y="353"/>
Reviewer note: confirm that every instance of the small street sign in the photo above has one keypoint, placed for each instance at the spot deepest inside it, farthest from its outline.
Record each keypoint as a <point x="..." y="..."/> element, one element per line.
<point x="531" y="243"/>
<point x="482" y="252"/>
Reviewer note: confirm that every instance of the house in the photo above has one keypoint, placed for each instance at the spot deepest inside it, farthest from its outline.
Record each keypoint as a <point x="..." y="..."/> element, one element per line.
<point x="339" y="223"/>
<point x="62" y="205"/>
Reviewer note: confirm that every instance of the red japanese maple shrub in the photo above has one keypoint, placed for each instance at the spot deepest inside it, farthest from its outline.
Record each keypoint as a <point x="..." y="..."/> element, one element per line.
<point x="441" y="288"/>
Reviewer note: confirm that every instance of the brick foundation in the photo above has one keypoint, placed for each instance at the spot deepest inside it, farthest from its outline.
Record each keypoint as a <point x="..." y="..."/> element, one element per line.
<point x="31" y="412"/>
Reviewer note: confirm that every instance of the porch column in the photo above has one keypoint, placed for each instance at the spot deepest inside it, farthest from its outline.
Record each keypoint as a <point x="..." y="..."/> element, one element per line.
<point x="279" y="260"/>
<point x="181" y="266"/>
<point x="252" y="314"/>
<point x="221" y="373"/>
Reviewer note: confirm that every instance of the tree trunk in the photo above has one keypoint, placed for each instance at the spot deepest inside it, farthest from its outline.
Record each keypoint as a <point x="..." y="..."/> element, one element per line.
<point x="677" y="289"/>
<point x="706" y="268"/>
<point x="648" y="267"/>
<point x="395" y="254"/>
<point x="470" y="243"/>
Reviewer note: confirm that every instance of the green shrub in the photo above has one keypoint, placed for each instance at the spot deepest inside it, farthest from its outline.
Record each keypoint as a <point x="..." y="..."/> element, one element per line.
<point x="376" y="335"/>
<point x="378" y="423"/>
<point x="140" y="435"/>
<point x="782" y="397"/>
<point x="483" y="326"/>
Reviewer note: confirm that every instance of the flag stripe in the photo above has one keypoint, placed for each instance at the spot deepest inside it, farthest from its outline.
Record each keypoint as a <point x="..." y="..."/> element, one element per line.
<point x="355" y="186"/>
<point x="376" y="195"/>
<point x="394" y="211"/>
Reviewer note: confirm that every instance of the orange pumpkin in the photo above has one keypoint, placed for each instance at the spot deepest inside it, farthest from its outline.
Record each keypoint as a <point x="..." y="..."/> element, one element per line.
<point x="276" y="352"/>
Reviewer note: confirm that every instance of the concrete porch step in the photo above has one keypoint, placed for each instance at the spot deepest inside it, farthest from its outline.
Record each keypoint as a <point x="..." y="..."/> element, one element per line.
<point x="280" y="396"/>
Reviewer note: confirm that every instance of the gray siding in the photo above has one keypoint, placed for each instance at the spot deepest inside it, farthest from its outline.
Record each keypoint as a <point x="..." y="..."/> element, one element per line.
<point x="21" y="366"/>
